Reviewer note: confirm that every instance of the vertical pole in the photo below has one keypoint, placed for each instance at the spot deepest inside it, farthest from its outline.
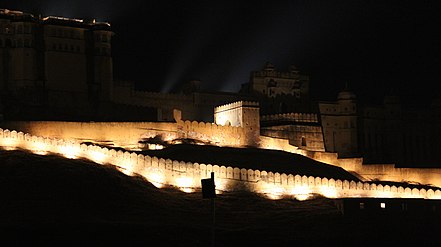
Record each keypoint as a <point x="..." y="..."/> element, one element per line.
<point x="213" y="211"/>
<point x="213" y="227"/>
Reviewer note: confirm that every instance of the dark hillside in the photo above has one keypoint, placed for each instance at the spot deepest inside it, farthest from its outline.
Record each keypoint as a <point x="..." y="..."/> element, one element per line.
<point x="252" y="158"/>
<point x="52" y="201"/>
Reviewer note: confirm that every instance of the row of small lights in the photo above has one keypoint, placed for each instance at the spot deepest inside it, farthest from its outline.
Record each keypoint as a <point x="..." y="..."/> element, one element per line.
<point x="157" y="177"/>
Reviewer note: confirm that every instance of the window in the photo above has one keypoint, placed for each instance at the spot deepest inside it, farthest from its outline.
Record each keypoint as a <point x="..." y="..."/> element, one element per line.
<point x="303" y="141"/>
<point x="383" y="205"/>
<point x="403" y="206"/>
<point x="361" y="205"/>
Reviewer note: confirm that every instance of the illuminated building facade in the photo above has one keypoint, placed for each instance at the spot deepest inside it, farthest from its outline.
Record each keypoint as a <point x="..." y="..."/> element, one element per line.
<point x="53" y="62"/>
<point x="64" y="66"/>
<point x="339" y="121"/>
<point x="279" y="91"/>
<point x="389" y="133"/>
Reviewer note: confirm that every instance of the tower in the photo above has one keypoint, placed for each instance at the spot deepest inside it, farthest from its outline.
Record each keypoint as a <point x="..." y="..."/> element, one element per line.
<point x="243" y="114"/>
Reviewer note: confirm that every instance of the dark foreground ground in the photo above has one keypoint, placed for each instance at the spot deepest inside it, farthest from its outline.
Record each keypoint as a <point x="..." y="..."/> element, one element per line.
<point x="52" y="201"/>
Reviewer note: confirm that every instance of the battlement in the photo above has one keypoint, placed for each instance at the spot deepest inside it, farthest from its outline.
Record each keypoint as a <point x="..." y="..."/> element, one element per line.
<point x="19" y="15"/>
<point x="235" y="105"/>
<point x="158" y="95"/>
<point x="277" y="74"/>
<point x="187" y="175"/>
<point x="296" y="117"/>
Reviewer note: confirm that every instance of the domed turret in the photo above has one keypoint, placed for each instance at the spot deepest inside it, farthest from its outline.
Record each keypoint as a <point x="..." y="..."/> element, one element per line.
<point x="346" y="95"/>
<point x="391" y="100"/>
<point x="269" y="67"/>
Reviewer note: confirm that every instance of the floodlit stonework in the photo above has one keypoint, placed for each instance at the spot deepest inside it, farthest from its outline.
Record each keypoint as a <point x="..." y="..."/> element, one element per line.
<point x="129" y="134"/>
<point x="65" y="64"/>
<point x="185" y="175"/>
<point x="54" y="62"/>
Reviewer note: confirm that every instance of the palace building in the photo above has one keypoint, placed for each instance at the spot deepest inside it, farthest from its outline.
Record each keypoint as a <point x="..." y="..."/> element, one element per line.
<point x="56" y="68"/>
<point x="53" y="62"/>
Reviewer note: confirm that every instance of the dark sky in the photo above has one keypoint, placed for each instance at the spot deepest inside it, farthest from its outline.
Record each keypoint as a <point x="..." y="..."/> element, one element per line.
<point x="373" y="46"/>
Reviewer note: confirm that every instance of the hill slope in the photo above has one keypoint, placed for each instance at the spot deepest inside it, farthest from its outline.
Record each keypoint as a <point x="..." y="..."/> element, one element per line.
<point x="252" y="158"/>
<point x="49" y="200"/>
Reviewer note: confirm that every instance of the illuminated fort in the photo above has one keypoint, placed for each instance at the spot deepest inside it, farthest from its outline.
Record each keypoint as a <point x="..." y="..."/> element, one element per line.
<point x="53" y="65"/>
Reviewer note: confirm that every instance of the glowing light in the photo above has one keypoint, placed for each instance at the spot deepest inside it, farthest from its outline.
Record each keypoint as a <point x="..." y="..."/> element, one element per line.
<point x="274" y="192"/>
<point x="221" y="185"/>
<point x="9" y="143"/>
<point x="328" y="192"/>
<point x="68" y="151"/>
<point x="185" y="184"/>
<point x="155" y="177"/>
<point x="301" y="193"/>
<point x="39" y="148"/>
<point x="98" y="157"/>
<point x="155" y="146"/>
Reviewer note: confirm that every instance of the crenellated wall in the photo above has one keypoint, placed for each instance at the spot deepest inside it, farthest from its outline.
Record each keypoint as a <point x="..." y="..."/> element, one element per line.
<point x="187" y="176"/>
<point x="213" y="133"/>
<point x="301" y="129"/>
<point x="296" y="117"/>
<point x="128" y="134"/>
<point x="123" y="134"/>
<point x="244" y="114"/>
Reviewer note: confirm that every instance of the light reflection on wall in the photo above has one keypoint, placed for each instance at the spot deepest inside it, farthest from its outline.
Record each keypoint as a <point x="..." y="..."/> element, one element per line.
<point x="185" y="184"/>
<point x="9" y="143"/>
<point x="69" y="151"/>
<point x="154" y="176"/>
<point x="186" y="176"/>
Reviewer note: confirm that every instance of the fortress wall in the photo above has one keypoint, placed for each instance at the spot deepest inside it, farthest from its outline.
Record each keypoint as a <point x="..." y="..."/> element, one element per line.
<point x="186" y="175"/>
<point x="278" y="144"/>
<point x="298" y="117"/>
<point x="128" y="96"/>
<point x="312" y="135"/>
<point x="210" y="132"/>
<point x="384" y="172"/>
<point x="125" y="134"/>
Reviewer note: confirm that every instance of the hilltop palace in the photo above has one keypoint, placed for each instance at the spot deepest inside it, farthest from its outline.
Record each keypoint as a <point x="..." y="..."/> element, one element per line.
<point x="56" y="68"/>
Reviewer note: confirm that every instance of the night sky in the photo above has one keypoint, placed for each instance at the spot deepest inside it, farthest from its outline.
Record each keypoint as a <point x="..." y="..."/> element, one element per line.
<point x="375" y="48"/>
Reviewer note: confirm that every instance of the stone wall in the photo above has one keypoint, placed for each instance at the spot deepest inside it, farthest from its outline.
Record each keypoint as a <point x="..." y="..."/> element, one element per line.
<point x="187" y="176"/>
<point x="122" y="134"/>
<point x="127" y="135"/>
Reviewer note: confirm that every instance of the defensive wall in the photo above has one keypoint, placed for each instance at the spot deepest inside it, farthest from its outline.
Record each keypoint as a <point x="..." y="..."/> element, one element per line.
<point x="244" y="114"/>
<point x="163" y="102"/>
<point x="123" y="134"/>
<point x="301" y="129"/>
<point x="127" y="135"/>
<point x="366" y="172"/>
<point x="295" y="117"/>
<point x="187" y="176"/>
<point x="125" y="94"/>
